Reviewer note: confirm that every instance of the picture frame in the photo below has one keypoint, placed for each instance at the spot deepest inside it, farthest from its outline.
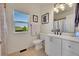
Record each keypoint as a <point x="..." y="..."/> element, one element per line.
<point x="35" y="18"/>
<point x="45" y="18"/>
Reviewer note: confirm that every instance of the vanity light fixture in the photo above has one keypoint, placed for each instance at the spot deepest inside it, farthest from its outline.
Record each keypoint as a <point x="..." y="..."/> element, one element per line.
<point x="61" y="6"/>
<point x="56" y="10"/>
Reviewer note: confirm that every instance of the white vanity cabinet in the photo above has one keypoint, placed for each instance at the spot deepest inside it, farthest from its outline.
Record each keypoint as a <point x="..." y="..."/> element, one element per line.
<point x="70" y="48"/>
<point x="53" y="46"/>
<point x="56" y="45"/>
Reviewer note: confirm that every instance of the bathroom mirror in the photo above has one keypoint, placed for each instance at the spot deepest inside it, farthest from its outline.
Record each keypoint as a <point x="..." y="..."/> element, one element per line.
<point x="64" y="17"/>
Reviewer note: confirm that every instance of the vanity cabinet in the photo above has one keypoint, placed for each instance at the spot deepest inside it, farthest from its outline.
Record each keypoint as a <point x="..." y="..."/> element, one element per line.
<point x="53" y="46"/>
<point x="70" y="48"/>
<point x="56" y="46"/>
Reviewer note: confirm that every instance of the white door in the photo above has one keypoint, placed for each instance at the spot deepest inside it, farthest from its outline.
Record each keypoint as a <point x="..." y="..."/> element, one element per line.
<point x="47" y="45"/>
<point x="2" y="37"/>
<point x="70" y="48"/>
<point x="0" y="26"/>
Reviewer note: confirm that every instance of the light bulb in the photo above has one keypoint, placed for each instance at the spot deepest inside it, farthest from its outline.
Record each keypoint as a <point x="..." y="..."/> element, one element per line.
<point x="56" y="10"/>
<point x="62" y="7"/>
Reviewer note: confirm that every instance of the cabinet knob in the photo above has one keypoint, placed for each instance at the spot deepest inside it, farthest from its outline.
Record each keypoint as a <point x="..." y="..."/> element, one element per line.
<point x="69" y="46"/>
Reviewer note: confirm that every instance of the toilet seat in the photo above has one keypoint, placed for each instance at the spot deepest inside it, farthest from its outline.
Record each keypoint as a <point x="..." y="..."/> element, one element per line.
<point x="38" y="44"/>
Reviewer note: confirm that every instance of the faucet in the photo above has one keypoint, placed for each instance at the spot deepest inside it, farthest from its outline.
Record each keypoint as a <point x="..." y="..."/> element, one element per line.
<point x="57" y="31"/>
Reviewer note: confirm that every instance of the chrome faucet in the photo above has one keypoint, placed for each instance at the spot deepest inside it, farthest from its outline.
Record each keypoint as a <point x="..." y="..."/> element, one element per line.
<point x="57" y="31"/>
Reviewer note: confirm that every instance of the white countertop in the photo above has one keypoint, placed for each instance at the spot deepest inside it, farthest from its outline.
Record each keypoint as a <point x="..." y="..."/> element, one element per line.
<point x="70" y="38"/>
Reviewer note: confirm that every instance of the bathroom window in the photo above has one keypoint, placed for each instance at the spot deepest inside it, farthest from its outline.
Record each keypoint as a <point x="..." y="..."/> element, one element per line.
<point x="21" y="21"/>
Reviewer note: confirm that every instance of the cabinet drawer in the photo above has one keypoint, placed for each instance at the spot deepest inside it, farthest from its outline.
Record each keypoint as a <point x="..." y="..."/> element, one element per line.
<point x="70" y="46"/>
<point x="68" y="53"/>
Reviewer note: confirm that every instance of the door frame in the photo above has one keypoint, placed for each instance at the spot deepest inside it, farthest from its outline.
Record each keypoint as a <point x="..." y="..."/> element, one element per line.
<point x="3" y="32"/>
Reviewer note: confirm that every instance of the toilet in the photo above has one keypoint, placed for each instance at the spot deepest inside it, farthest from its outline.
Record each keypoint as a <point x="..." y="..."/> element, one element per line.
<point x="38" y="44"/>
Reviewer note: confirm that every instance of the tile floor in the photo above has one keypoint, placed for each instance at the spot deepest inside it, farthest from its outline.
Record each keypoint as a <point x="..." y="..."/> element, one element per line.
<point x="30" y="52"/>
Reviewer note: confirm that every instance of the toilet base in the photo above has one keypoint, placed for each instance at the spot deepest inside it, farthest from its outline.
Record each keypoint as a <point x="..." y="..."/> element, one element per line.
<point x="38" y="47"/>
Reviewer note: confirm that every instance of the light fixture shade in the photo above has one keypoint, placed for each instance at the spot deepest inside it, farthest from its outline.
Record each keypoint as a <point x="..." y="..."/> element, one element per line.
<point x="62" y="7"/>
<point x="56" y="10"/>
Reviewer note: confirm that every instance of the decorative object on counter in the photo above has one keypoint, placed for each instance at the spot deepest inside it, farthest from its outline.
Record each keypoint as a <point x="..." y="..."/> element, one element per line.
<point x="35" y="18"/>
<point x="45" y="18"/>
<point x="31" y="28"/>
<point x="77" y="15"/>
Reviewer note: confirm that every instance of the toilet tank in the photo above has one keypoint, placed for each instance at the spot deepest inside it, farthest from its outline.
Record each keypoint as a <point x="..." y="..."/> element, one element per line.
<point x="42" y="36"/>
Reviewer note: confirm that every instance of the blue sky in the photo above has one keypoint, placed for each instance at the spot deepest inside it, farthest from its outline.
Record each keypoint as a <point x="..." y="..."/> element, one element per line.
<point x="20" y="16"/>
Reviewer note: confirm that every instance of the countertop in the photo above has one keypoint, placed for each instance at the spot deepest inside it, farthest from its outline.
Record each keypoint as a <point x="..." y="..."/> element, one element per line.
<point x="70" y="38"/>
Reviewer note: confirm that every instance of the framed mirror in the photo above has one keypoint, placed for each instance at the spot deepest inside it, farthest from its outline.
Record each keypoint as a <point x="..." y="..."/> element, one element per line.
<point x="64" y="17"/>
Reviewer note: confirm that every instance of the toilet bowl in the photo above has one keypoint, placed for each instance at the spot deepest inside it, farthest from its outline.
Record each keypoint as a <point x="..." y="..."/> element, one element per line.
<point x="38" y="44"/>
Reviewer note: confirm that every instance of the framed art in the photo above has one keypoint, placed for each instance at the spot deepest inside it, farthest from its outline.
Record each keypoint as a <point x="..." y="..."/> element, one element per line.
<point x="35" y="18"/>
<point x="45" y="18"/>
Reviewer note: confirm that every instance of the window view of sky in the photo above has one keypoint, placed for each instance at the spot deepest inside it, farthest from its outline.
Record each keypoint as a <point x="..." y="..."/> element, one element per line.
<point x="20" y="18"/>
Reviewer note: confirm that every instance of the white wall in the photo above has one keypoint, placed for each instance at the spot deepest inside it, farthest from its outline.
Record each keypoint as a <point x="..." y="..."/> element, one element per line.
<point x="47" y="8"/>
<point x="18" y="41"/>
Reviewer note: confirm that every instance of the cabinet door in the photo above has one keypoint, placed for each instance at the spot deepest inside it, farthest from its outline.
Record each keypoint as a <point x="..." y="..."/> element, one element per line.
<point x="47" y="46"/>
<point x="53" y="46"/>
<point x="70" y="48"/>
